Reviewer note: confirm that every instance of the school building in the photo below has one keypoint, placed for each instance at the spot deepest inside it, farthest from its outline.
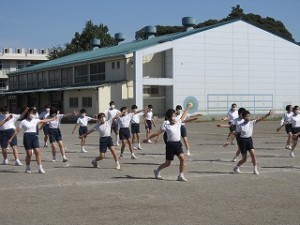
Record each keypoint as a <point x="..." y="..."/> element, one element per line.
<point x="211" y="67"/>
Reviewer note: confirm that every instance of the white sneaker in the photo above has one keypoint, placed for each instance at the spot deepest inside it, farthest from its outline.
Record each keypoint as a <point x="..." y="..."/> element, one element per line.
<point x="45" y="145"/>
<point x="53" y="159"/>
<point x="5" y="162"/>
<point x="157" y="175"/>
<point x="236" y="169"/>
<point x="139" y="147"/>
<point x="292" y="154"/>
<point x="181" y="178"/>
<point x="121" y="156"/>
<point x="134" y="147"/>
<point x="233" y="160"/>
<point x="41" y="170"/>
<point x="149" y="141"/>
<point x="133" y="156"/>
<point x="118" y="166"/>
<point x="27" y="170"/>
<point x="117" y="144"/>
<point x="188" y="153"/>
<point x="83" y="150"/>
<point x="290" y="147"/>
<point x="255" y="171"/>
<point x="18" y="163"/>
<point x="65" y="159"/>
<point x="95" y="164"/>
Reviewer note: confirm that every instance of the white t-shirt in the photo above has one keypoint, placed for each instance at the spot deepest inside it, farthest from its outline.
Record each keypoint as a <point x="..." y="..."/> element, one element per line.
<point x="148" y="115"/>
<point x="295" y="120"/>
<point x="11" y="123"/>
<point x="173" y="130"/>
<point x="136" y="117"/>
<point x="44" y="115"/>
<point x="286" y="118"/>
<point x="83" y="121"/>
<point x="104" y="129"/>
<point x="231" y="115"/>
<point x="246" y="129"/>
<point x="237" y="122"/>
<point x="29" y="126"/>
<point x="186" y="117"/>
<point x="124" y="121"/>
<point x="56" y="123"/>
<point x="111" y="113"/>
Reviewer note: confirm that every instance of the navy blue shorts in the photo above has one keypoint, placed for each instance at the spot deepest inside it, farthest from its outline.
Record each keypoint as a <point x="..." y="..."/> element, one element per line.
<point x="46" y="129"/>
<point x="183" y="131"/>
<point x="295" y="130"/>
<point x="246" y="144"/>
<point x="135" y="128"/>
<point x="114" y="127"/>
<point x="6" y="135"/>
<point x="82" y="130"/>
<point x="104" y="143"/>
<point x="55" y="135"/>
<point x="232" y="128"/>
<point x="0" y="135"/>
<point x="124" y="133"/>
<point x="148" y="125"/>
<point x="173" y="148"/>
<point x="165" y="137"/>
<point x="31" y="141"/>
<point x="288" y="128"/>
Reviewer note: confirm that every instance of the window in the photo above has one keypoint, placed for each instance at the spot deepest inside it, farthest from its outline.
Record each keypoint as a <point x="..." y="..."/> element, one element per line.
<point x="31" y="80"/>
<point x="97" y="71"/>
<point x="20" y="65"/>
<point x="54" y="77"/>
<point x="22" y="81"/>
<point x="0" y="65"/>
<point x="73" y="102"/>
<point x="151" y="91"/>
<point x="18" y="50"/>
<point x="6" y="50"/>
<point x="67" y="75"/>
<point x="13" y="82"/>
<point x="113" y="65"/>
<point x="87" y="102"/>
<point x="2" y="85"/>
<point x="118" y="65"/>
<point x="42" y="79"/>
<point x="81" y="74"/>
<point x="30" y="51"/>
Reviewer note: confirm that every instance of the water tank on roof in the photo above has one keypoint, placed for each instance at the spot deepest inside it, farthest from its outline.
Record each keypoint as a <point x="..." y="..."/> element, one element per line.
<point x="120" y="37"/>
<point x="150" y="31"/>
<point x="95" y="43"/>
<point x="188" y="22"/>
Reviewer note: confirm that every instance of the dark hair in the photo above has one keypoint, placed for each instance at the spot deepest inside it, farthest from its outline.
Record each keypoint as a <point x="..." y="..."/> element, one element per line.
<point x="123" y="108"/>
<point x="111" y="103"/>
<point x="241" y="110"/>
<point x="288" y="107"/>
<point x="233" y="104"/>
<point x="53" y="110"/>
<point x="295" y="107"/>
<point x="150" y="106"/>
<point x="134" y="107"/>
<point x="47" y="106"/>
<point x="29" y="111"/>
<point x="100" y="115"/>
<point x="245" y="113"/>
<point x="178" y="107"/>
<point x="5" y="109"/>
<point x="169" y="113"/>
<point x="82" y="111"/>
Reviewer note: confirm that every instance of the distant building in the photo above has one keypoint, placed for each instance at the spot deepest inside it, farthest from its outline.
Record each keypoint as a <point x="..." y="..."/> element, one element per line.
<point x="212" y="67"/>
<point x="16" y="59"/>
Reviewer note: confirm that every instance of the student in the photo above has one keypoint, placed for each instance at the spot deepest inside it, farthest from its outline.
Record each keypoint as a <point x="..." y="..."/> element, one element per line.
<point x="178" y="112"/>
<point x="82" y="121"/>
<point x="124" y="132"/>
<point x="111" y="113"/>
<point x="148" y="120"/>
<point x="8" y="128"/>
<point x="231" y="115"/>
<point x="295" y="121"/>
<point x="135" y="127"/>
<point x="285" y="121"/>
<point x="172" y="127"/>
<point x="236" y="122"/>
<point x="55" y="133"/>
<point x="43" y="116"/>
<point x="30" y="138"/>
<point x="104" y="128"/>
<point x="246" y="143"/>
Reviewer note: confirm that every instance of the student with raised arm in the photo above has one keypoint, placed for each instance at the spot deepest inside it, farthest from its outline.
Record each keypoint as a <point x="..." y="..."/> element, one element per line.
<point x="55" y="132"/>
<point x="246" y="143"/>
<point x="30" y="138"/>
<point x="105" y="140"/>
<point x="172" y="126"/>
<point x="285" y="122"/>
<point x="148" y="120"/>
<point x="45" y="127"/>
<point x="82" y="121"/>
<point x="231" y="115"/>
<point x="111" y="112"/>
<point x="295" y="121"/>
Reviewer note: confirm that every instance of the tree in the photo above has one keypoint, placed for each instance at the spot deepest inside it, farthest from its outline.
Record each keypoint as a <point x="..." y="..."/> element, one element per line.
<point x="82" y="41"/>
<point x="269" y="24"/>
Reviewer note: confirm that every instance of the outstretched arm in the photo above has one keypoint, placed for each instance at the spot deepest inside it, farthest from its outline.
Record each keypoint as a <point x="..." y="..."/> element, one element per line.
<point x="87" y="133"/>
<point x="5" y="120"/>
<point x="264" y="117"/>
<point x="186" y="111"/>
<point x="190" y="120"/>
<point x="154" y="135"/>
<point x="14" y="134"/>
<point x="223" y="125"/>
<point x="74" y="128"/>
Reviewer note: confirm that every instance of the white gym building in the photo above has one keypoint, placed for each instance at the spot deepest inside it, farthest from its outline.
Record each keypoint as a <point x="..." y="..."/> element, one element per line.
<point x="211" y="67"/>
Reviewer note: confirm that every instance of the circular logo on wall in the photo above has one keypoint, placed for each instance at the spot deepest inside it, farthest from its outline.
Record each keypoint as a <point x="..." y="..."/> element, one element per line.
<point x="194" y="101"/>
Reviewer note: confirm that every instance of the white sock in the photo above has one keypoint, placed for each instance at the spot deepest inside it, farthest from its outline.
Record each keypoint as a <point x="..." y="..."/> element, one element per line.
<point x="40" y="166"/>
<point x="255" y="167"/>
<point x="181" y="175"/>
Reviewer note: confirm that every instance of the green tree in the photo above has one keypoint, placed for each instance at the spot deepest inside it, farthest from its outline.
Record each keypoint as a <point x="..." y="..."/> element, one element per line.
<point x="82" y="41"/>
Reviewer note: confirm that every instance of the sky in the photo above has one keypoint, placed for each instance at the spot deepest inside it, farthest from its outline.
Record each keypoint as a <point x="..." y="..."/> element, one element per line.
<point x="49" y="23"/>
